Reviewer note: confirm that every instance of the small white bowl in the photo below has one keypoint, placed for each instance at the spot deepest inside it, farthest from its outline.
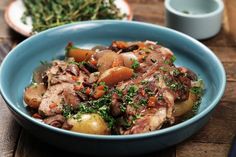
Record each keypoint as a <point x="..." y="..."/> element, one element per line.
<point x="200" y="19"/>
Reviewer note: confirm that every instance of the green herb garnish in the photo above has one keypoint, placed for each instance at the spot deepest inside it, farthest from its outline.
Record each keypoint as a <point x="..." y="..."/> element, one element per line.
<point x="135" y="64"/>
<point x="197" y="90"/>
<point x="46" y="14"/>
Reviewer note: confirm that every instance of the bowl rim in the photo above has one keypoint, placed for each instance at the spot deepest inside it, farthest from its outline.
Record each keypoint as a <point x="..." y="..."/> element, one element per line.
<point x="218" y="10"/>
<point x="186" y="123"/>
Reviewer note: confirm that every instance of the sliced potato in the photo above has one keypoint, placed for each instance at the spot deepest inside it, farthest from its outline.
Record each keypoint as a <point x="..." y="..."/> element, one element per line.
<point x="33" y="95"/>
<point x="185" y="106"/>
<point x="89" y="123"/>
<point x="80" y="54"/>
<point x="106" y="60"/>
<point x="114" y="75"/>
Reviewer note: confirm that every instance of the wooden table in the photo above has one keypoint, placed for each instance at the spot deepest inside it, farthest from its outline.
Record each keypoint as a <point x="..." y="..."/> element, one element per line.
<point x="214" y="140"/>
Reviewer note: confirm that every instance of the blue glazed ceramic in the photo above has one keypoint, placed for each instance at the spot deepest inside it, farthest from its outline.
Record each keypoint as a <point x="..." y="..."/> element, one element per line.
<point x="17" y="67"/>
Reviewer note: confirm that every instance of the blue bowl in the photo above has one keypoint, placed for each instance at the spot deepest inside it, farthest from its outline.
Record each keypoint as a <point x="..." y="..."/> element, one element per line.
<point x="19" y="64"/>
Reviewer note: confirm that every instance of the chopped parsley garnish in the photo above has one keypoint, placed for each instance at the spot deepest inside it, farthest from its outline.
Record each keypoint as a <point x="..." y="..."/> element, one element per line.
<point x="132" y="90"/>
<point x="123" y="108"/>
<point x="173" y="58"/>
<point x="197" y="90"/>
<point x="135" y="64"/>
<point x="149" y="92"/>
<point x="176" y="86"/>
<point x="77" y="63"/>
<point x="143" y="102"/>
<point x="144" y="82"/>
<point x="175" y="72"/>
<point x="67" y="111"/>
<point x="46" y="63"/>
<point x="160" y="97"/>
<point x="163" y="69"/>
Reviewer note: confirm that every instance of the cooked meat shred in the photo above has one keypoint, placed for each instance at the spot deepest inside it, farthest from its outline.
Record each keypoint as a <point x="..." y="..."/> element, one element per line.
<point x="142" y="103"/>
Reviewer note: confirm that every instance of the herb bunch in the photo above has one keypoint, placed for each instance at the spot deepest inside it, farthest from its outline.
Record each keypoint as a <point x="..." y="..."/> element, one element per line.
<point x="46" y="14"/>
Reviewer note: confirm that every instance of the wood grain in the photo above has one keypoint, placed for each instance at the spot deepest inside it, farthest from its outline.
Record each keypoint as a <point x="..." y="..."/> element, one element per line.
<point x="9" y="131"/>
<point x="196" y="149"/>
<point x="222" y="125"/>
<point x="226" y="54"/>
<point x="27" y="143"/>
<point x="212" y="141"/>
<point x="230" y="9"/>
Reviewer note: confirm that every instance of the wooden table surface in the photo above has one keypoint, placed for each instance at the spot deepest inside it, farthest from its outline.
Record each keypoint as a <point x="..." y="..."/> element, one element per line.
<point x="214" y="140"/>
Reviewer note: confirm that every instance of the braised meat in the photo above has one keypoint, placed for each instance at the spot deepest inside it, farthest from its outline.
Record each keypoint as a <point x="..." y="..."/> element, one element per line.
<point x="125" y="88"/>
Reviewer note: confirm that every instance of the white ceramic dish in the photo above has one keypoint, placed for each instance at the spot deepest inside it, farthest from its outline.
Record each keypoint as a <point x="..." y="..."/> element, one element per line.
<point x="200" y="19"/>
<point x="15" y="10"/>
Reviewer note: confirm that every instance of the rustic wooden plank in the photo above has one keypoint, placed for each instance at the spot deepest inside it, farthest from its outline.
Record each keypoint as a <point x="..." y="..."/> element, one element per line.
<point x="152" y="13"/>
<point x="5" y="47"/>
<point x="230" y="68"/>
<point x="4" y="31"/>
<point x="221" y="127"/>
<point x="195" y="149"/>
<point x="29" y="146"/>
<point x="226" y="54"/>
<point x="230" y="92"/>
<point x="222" y="39"/>
<point x="230" y="7"/>
<point x="9" y="131"/>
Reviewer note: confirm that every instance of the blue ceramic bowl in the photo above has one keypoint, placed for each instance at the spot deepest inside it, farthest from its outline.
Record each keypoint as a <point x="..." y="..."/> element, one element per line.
<point x="17" y="67"/>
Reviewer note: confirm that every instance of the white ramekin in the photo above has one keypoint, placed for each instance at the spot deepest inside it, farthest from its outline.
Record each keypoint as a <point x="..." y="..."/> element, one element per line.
<point x="200" y="19"/>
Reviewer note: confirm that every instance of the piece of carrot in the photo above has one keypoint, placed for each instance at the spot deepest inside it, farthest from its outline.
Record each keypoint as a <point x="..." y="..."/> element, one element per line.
<point x="74" y="78"/>
<point x="152" y="101"/>
<point x="143" y="92"/>
<point x="98" y="93"/>
<point x="100" y="87"/>
<point x="93" y="61"/>
<point x="141" y="45"/>
<point x="80" y="54"/>
<point x="120" y="44"/>
<point x="78" y="87"/>
<point x="88" y="91"/>
<point x="52" y="105"/>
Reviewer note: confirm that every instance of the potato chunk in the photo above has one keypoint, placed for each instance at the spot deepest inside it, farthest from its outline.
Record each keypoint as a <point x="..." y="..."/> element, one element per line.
<point x="33" y="95"/>
<point x="89" y="123"/>
<point x="114" y="75"/>
<point x="185" y="106"/>
<point x="106" y="60"/>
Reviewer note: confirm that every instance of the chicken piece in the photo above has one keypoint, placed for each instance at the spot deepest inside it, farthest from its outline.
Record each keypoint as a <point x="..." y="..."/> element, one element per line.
<point x="52" y="99"/>
<point x="152" y="120"/>
<point x="70" y="97"/>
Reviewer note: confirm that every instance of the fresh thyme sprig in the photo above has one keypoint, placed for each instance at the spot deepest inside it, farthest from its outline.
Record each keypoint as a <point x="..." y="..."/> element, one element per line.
<point x="51" y="13"/>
